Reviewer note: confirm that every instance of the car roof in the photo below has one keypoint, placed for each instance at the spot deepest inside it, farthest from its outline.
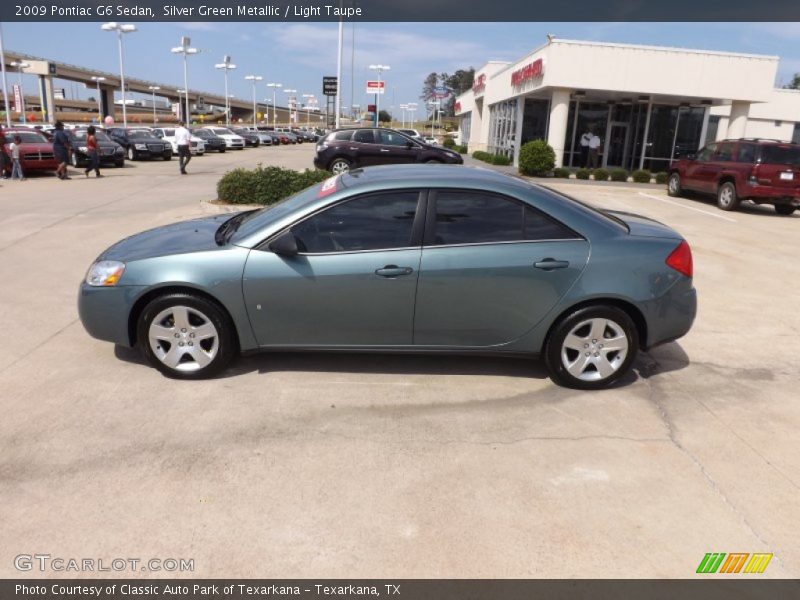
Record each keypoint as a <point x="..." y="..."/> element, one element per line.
<point x="430" y="175"/>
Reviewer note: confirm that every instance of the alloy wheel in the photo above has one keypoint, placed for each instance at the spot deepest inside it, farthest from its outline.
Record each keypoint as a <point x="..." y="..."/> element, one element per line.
<point x="340" y="166"/>
<point x="183" y="338"/>
<point x="594" y="349"/>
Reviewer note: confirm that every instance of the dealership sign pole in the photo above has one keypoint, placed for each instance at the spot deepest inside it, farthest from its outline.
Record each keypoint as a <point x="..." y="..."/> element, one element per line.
<point x="5" y="83"/>
<point x="377" y="87"/>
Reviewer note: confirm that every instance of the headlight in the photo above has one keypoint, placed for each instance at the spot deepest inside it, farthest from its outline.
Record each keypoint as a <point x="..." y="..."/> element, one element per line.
<point x="83" y="149"/>
<point x="105" y="273"/>
<point x="120" y="150"/>
<point x="140" y="146"/>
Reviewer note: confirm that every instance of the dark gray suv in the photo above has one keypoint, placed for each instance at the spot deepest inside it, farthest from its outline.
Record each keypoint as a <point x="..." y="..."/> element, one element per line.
<point x="341" y="150"/>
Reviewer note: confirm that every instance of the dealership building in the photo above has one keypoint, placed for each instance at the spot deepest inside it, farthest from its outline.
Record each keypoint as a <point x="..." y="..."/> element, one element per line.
<point x="647" y="104"/>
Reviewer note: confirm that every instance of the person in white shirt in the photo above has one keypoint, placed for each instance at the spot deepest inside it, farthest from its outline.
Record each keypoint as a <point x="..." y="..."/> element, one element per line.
<point x="183" y="138"/>
<point x="594" y="146"/>
<point x="585" y="139"/>
<point x="16" y="168"/>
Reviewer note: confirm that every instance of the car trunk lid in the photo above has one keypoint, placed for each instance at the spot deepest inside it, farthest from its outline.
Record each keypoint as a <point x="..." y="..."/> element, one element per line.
<point x="641" y="226"/>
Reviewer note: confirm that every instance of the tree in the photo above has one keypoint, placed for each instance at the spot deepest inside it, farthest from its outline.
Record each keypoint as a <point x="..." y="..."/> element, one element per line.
<point x="431" y="81"/>
<point x="794" y="84"/>
<point x="384" y="116"/>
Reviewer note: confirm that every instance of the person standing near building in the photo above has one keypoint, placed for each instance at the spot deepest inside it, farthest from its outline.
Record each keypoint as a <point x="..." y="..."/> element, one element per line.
<point x="94" y="153"/>
<point x="183" y="138"/>
<point x="3" y="153"/>
<point x="16" y="166"/>
<point x="61" y="150"/>
<point x="585" y="139"/>
<point x="594" y="148"/>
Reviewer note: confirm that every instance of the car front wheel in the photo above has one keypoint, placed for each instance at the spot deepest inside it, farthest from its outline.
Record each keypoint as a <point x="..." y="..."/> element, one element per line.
<point x="75" y="162"/>
<point x="784" y="209"/>
<point x="674" y="185"/>
<point x="591" y="348"/>
<point x="186" y="336"/>
<point x="339" y="165"/>
<point x="727" y="199"/>
<point x="131" y="154"/>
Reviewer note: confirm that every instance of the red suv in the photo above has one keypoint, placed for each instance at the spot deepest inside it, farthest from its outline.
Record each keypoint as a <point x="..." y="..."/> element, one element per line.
<point x="762" y="171"/>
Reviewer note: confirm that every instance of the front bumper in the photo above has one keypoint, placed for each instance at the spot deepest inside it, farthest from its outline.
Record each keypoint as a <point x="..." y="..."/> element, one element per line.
<point x="104" y="311"/>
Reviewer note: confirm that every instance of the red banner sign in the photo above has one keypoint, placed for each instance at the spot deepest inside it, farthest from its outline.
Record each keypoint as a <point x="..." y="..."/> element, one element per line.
<point x="479" y="84"/>
<point x="457" y="107"/>
<point x="533" y="70"/>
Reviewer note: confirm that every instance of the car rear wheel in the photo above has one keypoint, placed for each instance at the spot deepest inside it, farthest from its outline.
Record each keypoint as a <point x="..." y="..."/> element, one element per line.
<point x="186" y="336"/>
<point x="591" y="348"/>
<point x="75" y="162"/>
<point x="727" y="199"/>
<point x="674" y="185"/>
<point x="339" y="165"/>
<point x="784" y="209"/>
<point x="168" y="156"/>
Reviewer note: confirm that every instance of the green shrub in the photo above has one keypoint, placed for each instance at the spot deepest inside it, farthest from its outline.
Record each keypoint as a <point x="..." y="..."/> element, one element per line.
<point x="481" y="155"/>
<point x="461" y="149"/>
<point x="449" y="142"/>
<point x="561" y="173"/>
<point x="600" y="175"/>
<point x="619" y="175"/>
<point x="500" y="159"/>
<point x="582" y="174"/>
<point x="661" y="177"/>
<point x="536" y="158"/>
<point x="641" y="176"/>
<point x="265" y="185"/>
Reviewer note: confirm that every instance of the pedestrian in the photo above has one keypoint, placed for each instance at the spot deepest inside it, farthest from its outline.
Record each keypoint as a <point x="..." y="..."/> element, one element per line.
<point x="61" y="150"/>
<point x="594" y="147"/>
<point x="16" y="166"/>
<point x="183" y="138"/>
<point x="585" y="139"/>
<point x="94" y="153"/>
<point x="3" y="157"/>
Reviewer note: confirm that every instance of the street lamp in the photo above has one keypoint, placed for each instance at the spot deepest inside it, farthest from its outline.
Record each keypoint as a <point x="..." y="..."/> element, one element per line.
<point x="120" y="29"/>
<point x="19" y="65"/>
<point x="380" y="69"/>
<point x="186" y="50"/>
<point x="253" y="79"/>
<point x="289" y="102"/>
<point x="274" y="106"/>
<point x="226" y="66"/>
<point x="97" y="80"/>
<point x="153" y="89"/>
<point x="311" y="100"/>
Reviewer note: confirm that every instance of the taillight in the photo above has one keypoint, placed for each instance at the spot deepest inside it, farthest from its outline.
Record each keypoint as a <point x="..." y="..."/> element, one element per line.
<point x="680" y="259"/>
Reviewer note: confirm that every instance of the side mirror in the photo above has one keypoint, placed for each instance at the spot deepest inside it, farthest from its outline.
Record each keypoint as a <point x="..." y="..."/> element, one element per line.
<point x="284" y="245"/>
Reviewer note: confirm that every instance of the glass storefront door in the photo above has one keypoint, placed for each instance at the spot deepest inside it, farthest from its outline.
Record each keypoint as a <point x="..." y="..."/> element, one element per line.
<point x="617" y="153"/>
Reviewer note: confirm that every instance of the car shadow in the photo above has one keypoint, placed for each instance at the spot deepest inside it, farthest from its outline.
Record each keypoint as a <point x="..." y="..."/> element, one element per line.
<point x="664" y="359"/>
<point x="745" y="207"/>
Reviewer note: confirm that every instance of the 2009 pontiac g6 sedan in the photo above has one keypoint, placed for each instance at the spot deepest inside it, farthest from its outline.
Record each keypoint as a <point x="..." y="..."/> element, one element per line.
<point x="427" y="258"/>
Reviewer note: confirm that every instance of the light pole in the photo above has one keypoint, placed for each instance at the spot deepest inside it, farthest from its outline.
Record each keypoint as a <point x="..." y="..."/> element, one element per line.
<point x="380" y="69"/>
<point x="253" y="79"/>
<point x="226" y="66"/>
<point x="153" y="89"/>
<point x="5" y="83"/>
<point x="186" y="50"/>
<point x="354" y="110"/>
<point x="97" y="80"/>
<point x="120" y="29"/>
<point x="312" y="99"/>
<point x="19" y="65"/>
<point x="403" y="107"/>
<point x="289" y="102"/>
<point x="274" y="106"/>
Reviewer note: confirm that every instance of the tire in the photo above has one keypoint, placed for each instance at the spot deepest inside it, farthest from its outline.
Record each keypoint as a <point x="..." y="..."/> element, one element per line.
<point x="727" y="198"/>
<point x="156" y="329"/>
<point x="576" y="359"/>
<point x="339" y="165"/>
<point x="167" y="156"/>
<point x="222" y="150"/>
<point x="674" y="188"/>
<point x="75" y="160"/>
<point x="131" y="153"/>
<point x="784" y="209"/>
<point x="119" y="164"/>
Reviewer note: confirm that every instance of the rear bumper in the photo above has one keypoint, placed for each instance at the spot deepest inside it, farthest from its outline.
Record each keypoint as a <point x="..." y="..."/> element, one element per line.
<point x="319" y="163"/>
<point x="772" y="194"/>
<point x="671" y="316"/>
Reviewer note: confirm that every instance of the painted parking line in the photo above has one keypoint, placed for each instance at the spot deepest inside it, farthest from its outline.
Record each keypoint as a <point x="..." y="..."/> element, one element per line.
<point x="700" y="210"/>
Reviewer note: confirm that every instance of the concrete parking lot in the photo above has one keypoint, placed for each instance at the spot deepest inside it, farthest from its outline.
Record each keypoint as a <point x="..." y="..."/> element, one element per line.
<point x="385" y="466"/>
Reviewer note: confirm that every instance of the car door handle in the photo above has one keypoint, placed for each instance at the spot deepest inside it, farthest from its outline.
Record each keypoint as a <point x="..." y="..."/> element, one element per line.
<point x="393" y="271"/>
<point x="548" y="264"/>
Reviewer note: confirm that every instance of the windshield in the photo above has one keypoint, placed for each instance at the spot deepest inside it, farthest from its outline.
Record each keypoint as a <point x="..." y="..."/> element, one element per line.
<point x="275" y="212"/>
<point x="221" y="131"/>
<point x="27" y="137"/>
<point x="203" y="133"/>
<point x="780" y="155"/>
<point x="168" y="132"/>
<point x="80" y="134"/>
<point x="139" y="134"/>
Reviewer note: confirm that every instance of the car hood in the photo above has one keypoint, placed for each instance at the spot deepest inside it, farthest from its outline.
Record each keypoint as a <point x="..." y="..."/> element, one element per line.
<point x="184" y="237"/>
<point x="36" y="147"/>
<point x="643" y="226"/>
<point x="146" y="140"/>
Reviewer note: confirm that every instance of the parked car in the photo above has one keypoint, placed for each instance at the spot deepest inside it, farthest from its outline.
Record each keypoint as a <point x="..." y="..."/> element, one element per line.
<point x="196" y="145"/>
<point x="35" y="150"/>
<point x="281" y="137"/>
<point x="342" y="150"/>
<point x="429" y="139"/>
<point x="251" y="140"/>
<point x="405" y="258"/>
<point x="213" y="142"/>
<point x="140" y="143"/>
<point x="412" y="133"/>
<point x="305" y="136"/>
<point x="263" y="137"/>
<point x="293" y="139"/>
<point x="110" y="151"/>
<point x="233" y="141"/>
<point x="759" y="170"/>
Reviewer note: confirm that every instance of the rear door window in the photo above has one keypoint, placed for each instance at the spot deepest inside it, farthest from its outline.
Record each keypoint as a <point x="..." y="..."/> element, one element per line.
<point x="746" y="153"/>
<point x="392" y="138"/>
<point x="364" y="136"/>
<point x="780" y="155"/>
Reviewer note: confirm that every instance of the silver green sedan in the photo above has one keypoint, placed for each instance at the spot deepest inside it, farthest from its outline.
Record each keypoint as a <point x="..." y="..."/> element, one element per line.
<point x="405" y="258"/>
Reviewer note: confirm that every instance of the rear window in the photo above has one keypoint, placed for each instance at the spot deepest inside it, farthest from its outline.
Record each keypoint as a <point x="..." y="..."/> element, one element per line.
<point x="780" y="155"/>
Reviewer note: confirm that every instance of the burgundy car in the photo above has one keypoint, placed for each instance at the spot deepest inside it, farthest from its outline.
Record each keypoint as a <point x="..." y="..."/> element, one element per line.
<point x="35" y="153"/>
<point x="762" y="171"/>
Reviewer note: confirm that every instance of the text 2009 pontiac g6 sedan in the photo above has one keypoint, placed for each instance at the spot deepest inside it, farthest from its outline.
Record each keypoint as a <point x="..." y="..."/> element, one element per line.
<point x="426" y="258"/>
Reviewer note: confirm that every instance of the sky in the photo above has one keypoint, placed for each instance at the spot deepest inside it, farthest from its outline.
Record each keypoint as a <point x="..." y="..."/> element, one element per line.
<point x="298" y="55"/>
